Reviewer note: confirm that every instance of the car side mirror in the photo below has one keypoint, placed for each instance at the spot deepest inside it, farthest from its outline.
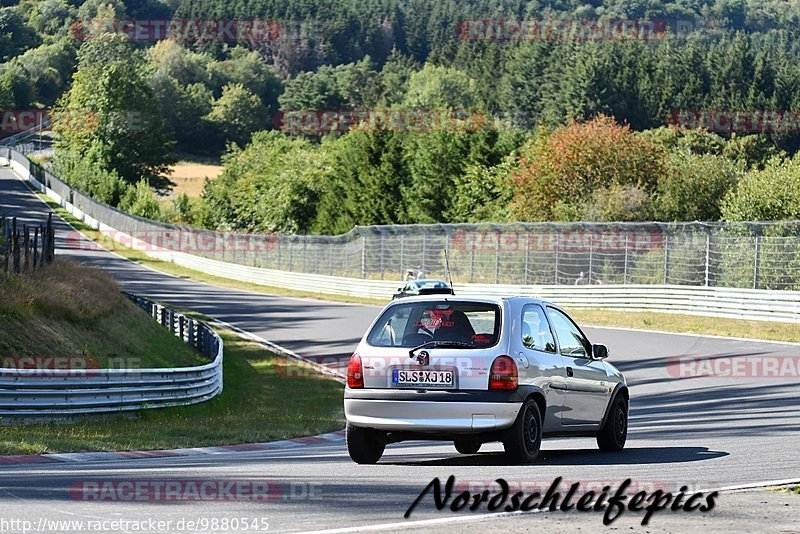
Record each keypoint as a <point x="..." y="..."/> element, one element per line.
<point x="599" y="352"/>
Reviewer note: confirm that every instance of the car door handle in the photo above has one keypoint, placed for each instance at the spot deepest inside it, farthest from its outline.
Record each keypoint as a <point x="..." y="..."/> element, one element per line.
<point x="570" y="372"/>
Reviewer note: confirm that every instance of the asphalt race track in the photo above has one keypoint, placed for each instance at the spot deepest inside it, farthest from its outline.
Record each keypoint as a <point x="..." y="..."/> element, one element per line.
<point x="704" y="432"/>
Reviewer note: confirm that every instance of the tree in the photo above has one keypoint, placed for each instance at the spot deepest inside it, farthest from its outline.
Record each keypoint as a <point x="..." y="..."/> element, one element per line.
<point x="694" y="186"/>
<point x="272" y="185"/>
<point x="142" y="201"/>
<point x="771" y="194"/>
<point x="111" y="108"/>
<point x="238" y="113"/>
<point x="559" y="171"/>
<point x="15" y="35"/>
<point x="482" y="193"/>
<point x="434" y="87"/>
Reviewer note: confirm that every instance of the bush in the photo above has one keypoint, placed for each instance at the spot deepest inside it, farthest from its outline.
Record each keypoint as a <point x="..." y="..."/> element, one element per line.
<point x="142" y="201"/>
<point x="560" y="171"/>
<point x="694" y="187"/>
<point x="619" y="202"/>
<point x="771" y="194"/>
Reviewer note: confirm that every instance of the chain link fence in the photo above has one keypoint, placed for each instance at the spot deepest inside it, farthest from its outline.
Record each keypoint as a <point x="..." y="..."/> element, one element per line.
<point x="739" y="255"/>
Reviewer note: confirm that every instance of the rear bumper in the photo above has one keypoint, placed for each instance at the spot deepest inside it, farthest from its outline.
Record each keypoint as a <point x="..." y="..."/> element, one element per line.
<point x="435" y="412"/>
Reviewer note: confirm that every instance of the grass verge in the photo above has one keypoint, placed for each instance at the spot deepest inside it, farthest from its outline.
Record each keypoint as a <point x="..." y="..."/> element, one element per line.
<point x="69" y="310"/>
<point x="678" y="323"/>
<point x="259" y="402"/>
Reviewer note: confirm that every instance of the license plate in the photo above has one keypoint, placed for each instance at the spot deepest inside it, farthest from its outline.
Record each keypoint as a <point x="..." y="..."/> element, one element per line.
<point x="422" y="378"/>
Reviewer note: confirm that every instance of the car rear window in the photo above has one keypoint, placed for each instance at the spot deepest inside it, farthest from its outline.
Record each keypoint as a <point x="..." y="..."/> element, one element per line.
<point x="415" y="323"/>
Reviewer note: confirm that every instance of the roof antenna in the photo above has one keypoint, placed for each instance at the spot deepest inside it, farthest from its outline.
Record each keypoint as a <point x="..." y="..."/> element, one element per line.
<point x="448" y="273"/>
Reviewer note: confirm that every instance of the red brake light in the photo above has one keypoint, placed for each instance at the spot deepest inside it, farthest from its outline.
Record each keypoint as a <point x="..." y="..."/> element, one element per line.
<point x="355" y="372"/>
<point x="504" y="374"/>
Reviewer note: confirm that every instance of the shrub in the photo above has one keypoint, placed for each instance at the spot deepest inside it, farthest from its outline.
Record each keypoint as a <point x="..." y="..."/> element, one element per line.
<point x="695" y="185"/>
<point x="771" y="194"/>
<point x="568" y="165"/>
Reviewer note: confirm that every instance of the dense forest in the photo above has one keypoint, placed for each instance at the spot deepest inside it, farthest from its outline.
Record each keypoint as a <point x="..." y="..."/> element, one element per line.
<point x="519" y="126"/>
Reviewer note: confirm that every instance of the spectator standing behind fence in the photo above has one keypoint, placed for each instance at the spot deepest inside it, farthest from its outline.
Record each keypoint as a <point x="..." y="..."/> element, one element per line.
<point x="409" y="276"/>
<point x="581" y="280"/>
<point x="420" y="273"/>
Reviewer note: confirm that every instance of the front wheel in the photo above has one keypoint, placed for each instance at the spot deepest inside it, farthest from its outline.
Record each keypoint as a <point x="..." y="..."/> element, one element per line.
<point x="365" y="445"/>
<point x="614" y="433"/>
<point x="523" y="440"/>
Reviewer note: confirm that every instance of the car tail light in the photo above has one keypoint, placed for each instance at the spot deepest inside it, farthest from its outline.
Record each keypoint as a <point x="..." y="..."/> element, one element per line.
<point x="355" y="372"/>
<point x="504" y="374"/>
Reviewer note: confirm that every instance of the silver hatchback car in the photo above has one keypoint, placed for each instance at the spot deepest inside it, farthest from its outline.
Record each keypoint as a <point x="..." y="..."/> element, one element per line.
<point x="476" y="370"/>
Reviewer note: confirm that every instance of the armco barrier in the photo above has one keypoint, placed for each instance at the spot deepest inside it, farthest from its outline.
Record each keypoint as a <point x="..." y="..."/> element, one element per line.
<point x="749" y="304"/>
<point x="31" y="393"/>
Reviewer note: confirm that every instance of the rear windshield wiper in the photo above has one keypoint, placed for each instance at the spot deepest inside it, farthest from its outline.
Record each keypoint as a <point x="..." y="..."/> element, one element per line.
<point x="440" y="344"/>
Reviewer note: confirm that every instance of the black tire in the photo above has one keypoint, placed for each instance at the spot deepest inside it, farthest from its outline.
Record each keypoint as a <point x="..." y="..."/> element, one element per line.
<point x="365" y="445"/>
<point x="465" y="446"/>
<point x="524" y="439"/>
<point x="614" y="433"/>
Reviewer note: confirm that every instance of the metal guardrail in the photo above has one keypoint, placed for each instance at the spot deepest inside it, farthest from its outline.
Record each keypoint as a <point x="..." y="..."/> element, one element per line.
<point x="751" y="304"/>
<point x="32" y="393"/>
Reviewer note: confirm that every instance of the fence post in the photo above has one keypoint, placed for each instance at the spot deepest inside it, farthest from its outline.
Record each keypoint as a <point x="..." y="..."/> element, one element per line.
<point x="303" y="261"/>
<point x="666" y="259"/>
<point x="330" y="256"/>
<point x="424" y="246"/>
<point x="527" y="256"/>
<point x="591" y="257"/>
<point x="363" y="256"/>
<point x="708" y="256"/>
<point x="15" y="244"/>
<point x="757" y="263"/>
<point x="35" y="247"/>
<point x="51" y="239"/>
<point x="402" y="256"/>
<point x="558" y="245"/>
<point x="381" y="256"/>
<point x="26" y="245"/>
<point x="497" y="259"/>
<point x="625" y="267"/>
<point x="6" y="243"/>
<point x="472" y="264"/>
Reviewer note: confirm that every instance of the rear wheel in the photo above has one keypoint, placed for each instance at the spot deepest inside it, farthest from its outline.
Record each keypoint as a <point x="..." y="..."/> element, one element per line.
<point x="465" y="446"/>
<point x="523" y="440"/>
<point x="614" y="433"/>
<point x="365" y="445"/>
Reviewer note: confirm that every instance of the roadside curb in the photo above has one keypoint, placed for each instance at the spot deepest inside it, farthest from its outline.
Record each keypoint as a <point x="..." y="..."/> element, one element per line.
<point x="85" y="457"/>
